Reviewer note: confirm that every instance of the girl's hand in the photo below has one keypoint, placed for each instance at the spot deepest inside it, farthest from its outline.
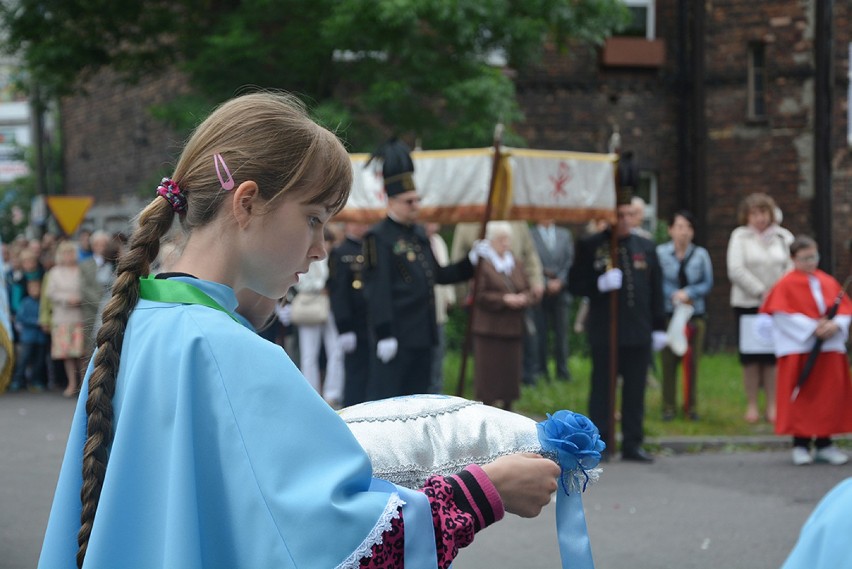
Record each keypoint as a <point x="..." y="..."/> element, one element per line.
<point x="525" y="482"/>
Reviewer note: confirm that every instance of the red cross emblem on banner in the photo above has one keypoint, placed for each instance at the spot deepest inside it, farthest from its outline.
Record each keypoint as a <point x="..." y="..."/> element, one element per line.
<point x="563" y="176"/>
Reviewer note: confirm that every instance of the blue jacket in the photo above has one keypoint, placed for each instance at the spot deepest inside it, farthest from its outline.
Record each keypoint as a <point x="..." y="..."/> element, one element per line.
<point x="699" y="275"/>
<point x="26" y="321"/>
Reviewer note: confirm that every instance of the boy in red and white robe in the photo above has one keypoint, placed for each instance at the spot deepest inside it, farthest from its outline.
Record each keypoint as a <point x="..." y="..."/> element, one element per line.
<point x="798" y="305"/>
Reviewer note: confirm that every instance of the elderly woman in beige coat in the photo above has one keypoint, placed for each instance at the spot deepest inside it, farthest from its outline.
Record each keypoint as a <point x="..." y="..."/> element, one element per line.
<point x="502" y="296"/>
<point x="64" y="291"/>
<point x="758" y="255"/>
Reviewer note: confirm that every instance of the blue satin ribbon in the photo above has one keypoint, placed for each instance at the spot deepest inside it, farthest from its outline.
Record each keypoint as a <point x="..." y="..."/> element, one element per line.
<point x="574" y="545"/>
<point x="575" y="443"/>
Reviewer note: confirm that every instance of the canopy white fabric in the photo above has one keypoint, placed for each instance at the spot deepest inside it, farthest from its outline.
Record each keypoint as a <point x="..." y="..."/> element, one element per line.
<point x="531" y="185"/>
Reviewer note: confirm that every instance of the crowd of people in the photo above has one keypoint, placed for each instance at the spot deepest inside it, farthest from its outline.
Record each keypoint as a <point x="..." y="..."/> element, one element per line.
<point x="368" y="322"/>
<point x="56" y="290"/>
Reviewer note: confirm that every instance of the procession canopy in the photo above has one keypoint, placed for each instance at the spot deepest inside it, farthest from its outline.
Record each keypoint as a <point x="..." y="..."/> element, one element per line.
<point x="532" y="185"/>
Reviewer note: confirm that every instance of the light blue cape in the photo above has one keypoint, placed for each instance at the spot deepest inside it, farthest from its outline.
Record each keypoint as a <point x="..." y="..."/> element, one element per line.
<point x="824" y="542"/>
<point x="223" y="456"/>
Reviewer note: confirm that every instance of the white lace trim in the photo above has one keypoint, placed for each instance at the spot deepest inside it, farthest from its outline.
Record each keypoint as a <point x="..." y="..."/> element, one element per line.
<point x="375" y="536"/>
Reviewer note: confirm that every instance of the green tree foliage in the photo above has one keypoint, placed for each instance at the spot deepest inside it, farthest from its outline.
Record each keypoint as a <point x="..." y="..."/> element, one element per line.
<point x="16" y="197"/>
<point x="421" y="68"/>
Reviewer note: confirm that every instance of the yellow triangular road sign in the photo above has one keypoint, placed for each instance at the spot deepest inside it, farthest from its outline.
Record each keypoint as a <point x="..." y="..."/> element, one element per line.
<point x="69" y="211"/>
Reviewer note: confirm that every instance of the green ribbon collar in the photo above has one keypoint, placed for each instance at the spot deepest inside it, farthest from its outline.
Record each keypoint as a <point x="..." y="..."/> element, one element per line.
<point x="171" y="291"/>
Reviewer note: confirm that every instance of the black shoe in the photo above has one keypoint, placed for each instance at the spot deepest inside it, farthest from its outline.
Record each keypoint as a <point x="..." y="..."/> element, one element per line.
<point x="563" y="376"/>
<point x="637" y="455"/>
<point x="668" y="415"/>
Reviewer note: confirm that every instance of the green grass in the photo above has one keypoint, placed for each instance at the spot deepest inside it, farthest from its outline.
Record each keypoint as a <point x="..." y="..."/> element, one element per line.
<point x="720" y="398"/>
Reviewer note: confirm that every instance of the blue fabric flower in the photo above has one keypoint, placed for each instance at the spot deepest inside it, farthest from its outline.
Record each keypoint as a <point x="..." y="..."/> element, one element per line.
<point x="574" y="439"/>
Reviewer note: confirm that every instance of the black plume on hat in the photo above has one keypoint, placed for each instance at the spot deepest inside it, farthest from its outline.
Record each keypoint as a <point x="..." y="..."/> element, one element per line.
<point x="628" y="178"/>
<point x="397" y="166"/>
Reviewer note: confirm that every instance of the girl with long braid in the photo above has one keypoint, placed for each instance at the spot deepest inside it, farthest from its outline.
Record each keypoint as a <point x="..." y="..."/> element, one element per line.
<point x="196" y="443"/>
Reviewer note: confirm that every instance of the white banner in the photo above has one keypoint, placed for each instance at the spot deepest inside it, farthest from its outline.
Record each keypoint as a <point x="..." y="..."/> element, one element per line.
<point x="531" y="185"/>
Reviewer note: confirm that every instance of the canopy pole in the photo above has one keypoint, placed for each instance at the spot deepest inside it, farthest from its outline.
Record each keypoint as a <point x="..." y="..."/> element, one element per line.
<point x="495" y="169"/>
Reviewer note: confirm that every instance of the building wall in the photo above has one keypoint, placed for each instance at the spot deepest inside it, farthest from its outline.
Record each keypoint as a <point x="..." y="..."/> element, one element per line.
<point x="112" y="145"/>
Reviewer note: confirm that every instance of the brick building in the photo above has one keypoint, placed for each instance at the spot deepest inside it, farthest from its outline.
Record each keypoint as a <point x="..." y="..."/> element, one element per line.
<point x="717" y="103"/>
<point x="716" y="99"/>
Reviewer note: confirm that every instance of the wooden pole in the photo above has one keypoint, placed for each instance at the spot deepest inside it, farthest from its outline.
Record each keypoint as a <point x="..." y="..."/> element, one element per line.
<point x="613" y="322"/>
<point x="495" y="169"/>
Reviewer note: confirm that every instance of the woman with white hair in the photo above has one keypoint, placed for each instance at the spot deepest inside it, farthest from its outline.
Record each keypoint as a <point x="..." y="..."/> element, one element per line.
<point x="503" y="294"/>
<point x="66" y="333"/>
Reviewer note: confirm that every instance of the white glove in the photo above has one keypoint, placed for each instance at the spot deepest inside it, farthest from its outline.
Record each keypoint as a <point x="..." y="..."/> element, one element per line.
<point x="479" y="249"/>
<point x="347" y="341"/>
<point x="386" y="349"/>
<point x="610" y="280"/>
<point x="763" y="328"/>
<point x="659" y="339"/>
<point x="283" y="314"/>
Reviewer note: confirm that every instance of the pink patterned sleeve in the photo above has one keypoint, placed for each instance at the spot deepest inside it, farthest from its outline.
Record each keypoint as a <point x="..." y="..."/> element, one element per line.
<point x="461" y="504"/>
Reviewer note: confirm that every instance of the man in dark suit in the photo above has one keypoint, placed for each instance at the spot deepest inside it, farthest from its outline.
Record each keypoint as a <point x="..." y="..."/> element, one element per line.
<point x="349" y="306"/>
<point x="637" y="280"/>
<point x="555" y="248"/>
<point x="95" y="279"/>
<point x="400" y="273"/>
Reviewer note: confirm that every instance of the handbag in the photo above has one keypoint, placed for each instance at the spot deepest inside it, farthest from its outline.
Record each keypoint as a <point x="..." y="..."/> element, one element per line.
<point x="309" y="308"/>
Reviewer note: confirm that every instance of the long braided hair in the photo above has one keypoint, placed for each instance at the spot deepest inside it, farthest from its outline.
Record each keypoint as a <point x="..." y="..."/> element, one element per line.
<point x="264" y="137"/>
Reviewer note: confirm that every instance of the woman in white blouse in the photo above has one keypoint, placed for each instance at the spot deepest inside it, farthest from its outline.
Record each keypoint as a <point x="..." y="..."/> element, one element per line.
<point x="313" y="337"/>
<point x="758" y="255"/>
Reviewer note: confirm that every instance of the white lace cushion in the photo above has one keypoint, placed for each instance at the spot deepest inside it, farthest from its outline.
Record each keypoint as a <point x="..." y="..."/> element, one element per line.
<point x="412" y="438"/>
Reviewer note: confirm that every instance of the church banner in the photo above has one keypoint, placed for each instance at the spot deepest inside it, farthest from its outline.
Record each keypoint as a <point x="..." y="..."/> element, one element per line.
<point x="531" y="185"/>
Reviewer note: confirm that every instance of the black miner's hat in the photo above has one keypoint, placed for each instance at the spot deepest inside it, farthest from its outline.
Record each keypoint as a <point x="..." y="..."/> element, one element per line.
<point x="628" y="179"/>
<point x="397" y="166"/>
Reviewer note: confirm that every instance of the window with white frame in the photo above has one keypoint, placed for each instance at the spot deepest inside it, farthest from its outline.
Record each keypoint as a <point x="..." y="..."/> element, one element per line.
<point x="644" y="19"/>
<point x="647" y="190"/>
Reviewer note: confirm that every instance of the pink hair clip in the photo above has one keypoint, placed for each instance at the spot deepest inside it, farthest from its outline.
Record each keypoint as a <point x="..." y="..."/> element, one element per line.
<point x="228" y="184"/>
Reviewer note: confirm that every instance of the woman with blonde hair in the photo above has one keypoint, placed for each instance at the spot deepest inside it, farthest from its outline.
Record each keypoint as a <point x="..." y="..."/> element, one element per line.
<point x="758" y="255"/>
<point x="66" y="324"/>
<point x="198" y="443"/>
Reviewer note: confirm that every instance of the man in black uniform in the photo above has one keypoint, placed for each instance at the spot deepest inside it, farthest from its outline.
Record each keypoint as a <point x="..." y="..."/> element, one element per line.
<point x="400" y="275"/>
<point x="349" y="306"/>
<point x="641" y="322"/>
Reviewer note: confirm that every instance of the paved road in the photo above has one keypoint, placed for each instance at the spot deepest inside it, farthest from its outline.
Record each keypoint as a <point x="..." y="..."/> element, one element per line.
<point x="709" y="510"/>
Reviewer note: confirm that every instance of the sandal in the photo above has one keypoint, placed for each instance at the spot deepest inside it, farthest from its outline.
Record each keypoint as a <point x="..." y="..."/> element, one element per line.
<point x="752" y="416"/>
